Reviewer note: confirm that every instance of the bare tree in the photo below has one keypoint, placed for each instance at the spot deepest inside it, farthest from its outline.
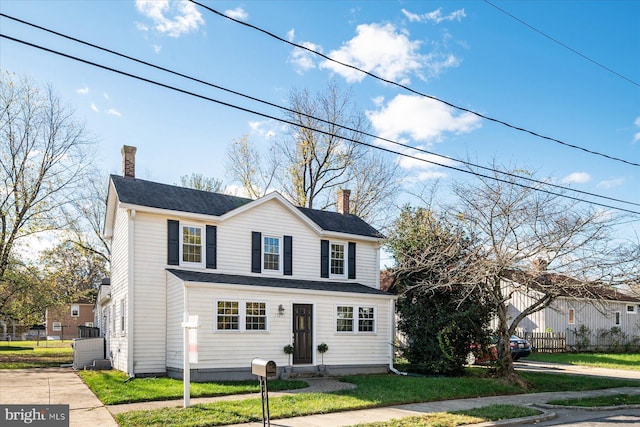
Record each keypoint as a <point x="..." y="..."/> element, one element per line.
<point x="247" y="167"/>
<point x="321" y="154"/>
<point x="198" y="181"/>
<point x="533" y="241"/>
<point x="317" y="164"/>
<point x="44" y="156"/>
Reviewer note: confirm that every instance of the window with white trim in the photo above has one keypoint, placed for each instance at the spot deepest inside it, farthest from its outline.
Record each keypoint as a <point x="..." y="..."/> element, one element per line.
<point x="632" y="309"/>
<point x="75" y="310"/>
<point x="337" y="260"/>
<point x="89" y="324"/>
<point x="191" y="250"/>
<point x="572" y="316"/>
<point x="617" y="317"/>
<point x="56" y="326"/>
<point x="271" y="253"/>
<point x="241" y="316"/>
<point x="355" y="319"/>
<point x="122" y="313"/>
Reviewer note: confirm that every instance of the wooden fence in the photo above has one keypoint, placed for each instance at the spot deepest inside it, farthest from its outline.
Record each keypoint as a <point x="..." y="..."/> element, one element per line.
<point x="546" y="342"/>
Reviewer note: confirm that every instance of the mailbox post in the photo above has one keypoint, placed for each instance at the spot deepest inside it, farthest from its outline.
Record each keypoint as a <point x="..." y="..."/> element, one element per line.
<point x="264" y="369"/>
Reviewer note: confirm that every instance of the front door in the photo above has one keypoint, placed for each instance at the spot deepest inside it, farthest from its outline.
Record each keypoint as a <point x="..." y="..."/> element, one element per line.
<point x="302" y="334"/>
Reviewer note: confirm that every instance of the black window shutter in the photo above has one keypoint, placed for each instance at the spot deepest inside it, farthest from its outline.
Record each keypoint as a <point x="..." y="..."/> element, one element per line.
<point x="288" y="256"/>
<point x="256" y="251"/>
<point x="173" y="242"/>
<point x="351" y="256"/>
<point x="212" y="246"/>
<point x="324" y="258"/>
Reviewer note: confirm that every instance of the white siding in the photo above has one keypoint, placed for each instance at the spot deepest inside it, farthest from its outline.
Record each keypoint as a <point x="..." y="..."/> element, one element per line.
<point x="175" y="312"/>
<point x="119" y="280"/>
<point x="236" y="349"/>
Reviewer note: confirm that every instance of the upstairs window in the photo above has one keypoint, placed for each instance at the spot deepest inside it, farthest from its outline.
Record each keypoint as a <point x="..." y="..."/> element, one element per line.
<point x="271" y="253"/>
<point x="337" y="259"/>
<point x="75" y="310"/>
<point x="192" y="244"/>
<point x="631" y="309"/>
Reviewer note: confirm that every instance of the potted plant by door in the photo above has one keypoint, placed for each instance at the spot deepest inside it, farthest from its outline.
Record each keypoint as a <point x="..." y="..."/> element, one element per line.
<point x="288" y="350"/>
<point x="322" y="349"/>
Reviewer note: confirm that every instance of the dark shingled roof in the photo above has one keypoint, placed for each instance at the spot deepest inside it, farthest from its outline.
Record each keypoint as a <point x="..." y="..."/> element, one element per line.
<point x="274" y="282"/>
<point x="162" y="196"/>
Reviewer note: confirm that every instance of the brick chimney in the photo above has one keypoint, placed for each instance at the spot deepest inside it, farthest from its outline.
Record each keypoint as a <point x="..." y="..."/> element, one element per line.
<point x="129" y="161"/>
<point x="343" y="201"/>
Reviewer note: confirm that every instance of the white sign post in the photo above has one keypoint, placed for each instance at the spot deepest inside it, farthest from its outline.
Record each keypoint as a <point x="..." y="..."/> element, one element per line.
<point x="190" y="335"/>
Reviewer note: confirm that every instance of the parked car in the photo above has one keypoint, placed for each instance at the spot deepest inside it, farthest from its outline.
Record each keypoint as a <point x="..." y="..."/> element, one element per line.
<point x="519" y="348"/>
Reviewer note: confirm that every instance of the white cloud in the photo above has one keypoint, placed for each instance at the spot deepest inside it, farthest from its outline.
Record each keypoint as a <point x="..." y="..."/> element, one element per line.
<point x="419" y="118"/>
<point x="636" y="136"/>
<point x="171" y="17"/>
<point x="106" y="96"/>
<point x="435" y="16"/>
<point x="237" y="13"/>
<point x="291" y="35"/>
<point x="379" y="49"/>
<point x="422" y="161"/>
<point x="263" y="128"/>
<point x="576" y="178"/>
<point x="114" y="112"/>
<point x="637" y="122"/>
<point x="83" y="90"/>
<point x="95" y="108"/>
<point x="302" y="59"/>
<point x="610" y="183"/>
<point x="156" y="48"/>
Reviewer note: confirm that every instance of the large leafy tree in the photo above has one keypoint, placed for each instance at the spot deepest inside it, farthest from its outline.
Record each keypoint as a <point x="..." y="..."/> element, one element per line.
<point x="45" y="154"/>
<point x="439" y="314"/>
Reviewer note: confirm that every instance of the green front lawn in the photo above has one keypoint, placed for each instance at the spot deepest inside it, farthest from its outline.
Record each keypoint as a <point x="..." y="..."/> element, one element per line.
<point x="373" y="391"/>
<point x="32" y="354"/>
<point x="597" y="360"/>
<point x="113" y="387"/>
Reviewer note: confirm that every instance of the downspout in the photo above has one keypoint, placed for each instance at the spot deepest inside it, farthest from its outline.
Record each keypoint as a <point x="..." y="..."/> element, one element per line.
<point x="392" y="322"/>
<point x="130" y="293"/>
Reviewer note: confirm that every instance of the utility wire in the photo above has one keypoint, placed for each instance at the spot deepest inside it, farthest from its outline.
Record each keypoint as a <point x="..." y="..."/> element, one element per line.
<point x="562" y="44"/>
<point x="467" y="163"/>
<point x="370" y="74"/>
<point x="237" y="107"/>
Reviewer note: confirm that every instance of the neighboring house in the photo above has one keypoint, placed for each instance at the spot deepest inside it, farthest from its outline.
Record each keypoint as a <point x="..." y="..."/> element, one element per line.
<point x="591" y="316"/>
<point x="259" y="274"/>
<point x="63" y="323"/>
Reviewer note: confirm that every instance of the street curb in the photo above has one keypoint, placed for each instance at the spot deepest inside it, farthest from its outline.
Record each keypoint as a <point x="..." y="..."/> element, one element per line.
<point x="545" y="416"/>
<point x="588" y="408"/>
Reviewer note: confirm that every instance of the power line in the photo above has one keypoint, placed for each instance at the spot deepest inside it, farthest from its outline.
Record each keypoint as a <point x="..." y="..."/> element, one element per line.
<point x="237" y="107"/>
<point x="457" y="107"/>
<point x="562" y="44"/>
<point x="467" y="163"/>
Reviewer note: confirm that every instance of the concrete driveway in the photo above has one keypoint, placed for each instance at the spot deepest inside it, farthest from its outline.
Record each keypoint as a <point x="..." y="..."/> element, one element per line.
<point x="52" y="386"/>
<point x="530" y="365"/>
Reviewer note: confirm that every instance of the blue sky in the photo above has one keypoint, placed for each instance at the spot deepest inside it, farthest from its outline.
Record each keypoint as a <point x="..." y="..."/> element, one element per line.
<point x="467" y="53"/>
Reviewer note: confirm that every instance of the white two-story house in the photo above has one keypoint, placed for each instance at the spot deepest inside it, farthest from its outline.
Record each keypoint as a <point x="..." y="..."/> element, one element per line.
<point x="259" y="274"/>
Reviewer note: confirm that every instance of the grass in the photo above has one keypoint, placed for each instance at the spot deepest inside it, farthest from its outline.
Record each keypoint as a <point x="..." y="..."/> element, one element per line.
<point x="457" y="418"/>
<point x="32" y="354"/>
<point x="592" y="402"/>
<point x="597" y="360"/>
<point x="112" y="387"/>
<point x="373" y="391"/>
